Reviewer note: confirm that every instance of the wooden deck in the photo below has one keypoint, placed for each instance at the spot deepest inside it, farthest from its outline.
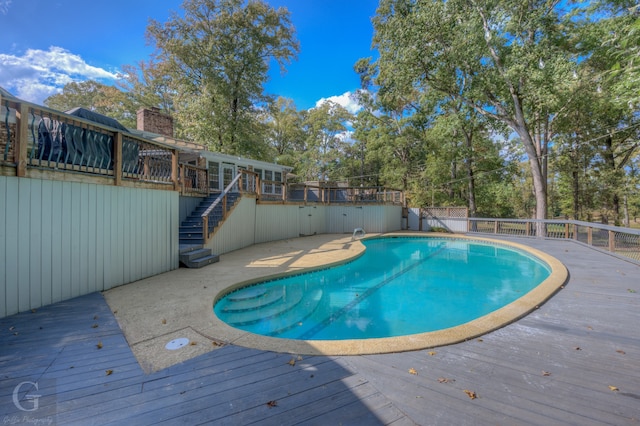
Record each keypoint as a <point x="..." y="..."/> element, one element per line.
<point x="576" y="360"/>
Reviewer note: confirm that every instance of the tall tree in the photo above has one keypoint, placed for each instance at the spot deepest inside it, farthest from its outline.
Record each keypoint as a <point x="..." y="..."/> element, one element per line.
<point x="508" y="60"/>
<point x="219" y="54"/>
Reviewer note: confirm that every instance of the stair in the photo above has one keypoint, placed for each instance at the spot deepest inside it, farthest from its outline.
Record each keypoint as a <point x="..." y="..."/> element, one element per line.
<point x="192" y="254"/>
<point x="198" y="257"/>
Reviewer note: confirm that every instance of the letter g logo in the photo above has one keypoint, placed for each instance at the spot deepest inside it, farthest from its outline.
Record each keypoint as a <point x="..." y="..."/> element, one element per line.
<point x="33" y="398"/>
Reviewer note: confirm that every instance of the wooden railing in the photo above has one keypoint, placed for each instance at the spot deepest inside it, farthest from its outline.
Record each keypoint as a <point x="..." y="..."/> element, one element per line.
<point x="194" y="180"/>
<point x="38" y="141"/>
<point x="340" y="195"/>
<point x="244" y="182"/>
<point x="623" y="242"/>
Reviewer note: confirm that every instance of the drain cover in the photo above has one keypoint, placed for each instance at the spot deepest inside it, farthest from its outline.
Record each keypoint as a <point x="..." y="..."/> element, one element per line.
<point x="177" y="343"/>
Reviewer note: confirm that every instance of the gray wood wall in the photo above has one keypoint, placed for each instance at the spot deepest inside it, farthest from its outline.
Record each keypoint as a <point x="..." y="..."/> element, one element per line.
<point x="59" y="240"/>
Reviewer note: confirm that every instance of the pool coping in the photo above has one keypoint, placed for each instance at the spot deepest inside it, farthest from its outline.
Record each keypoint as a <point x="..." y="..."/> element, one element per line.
<point x="470" y="330"/>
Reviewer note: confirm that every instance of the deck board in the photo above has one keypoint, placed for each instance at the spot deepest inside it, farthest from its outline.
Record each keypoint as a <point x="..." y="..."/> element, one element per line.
<point x="586" y="337"/>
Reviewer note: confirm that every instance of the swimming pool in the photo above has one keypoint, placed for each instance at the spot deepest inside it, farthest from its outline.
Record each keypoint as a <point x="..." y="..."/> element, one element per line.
<point x="401" y="286"/>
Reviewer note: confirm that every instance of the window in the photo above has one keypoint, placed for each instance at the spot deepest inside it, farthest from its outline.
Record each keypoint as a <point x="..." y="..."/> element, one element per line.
<point x="277" y="176"/>
<point x="214" y="175"/>
<point x="267" y="188"/>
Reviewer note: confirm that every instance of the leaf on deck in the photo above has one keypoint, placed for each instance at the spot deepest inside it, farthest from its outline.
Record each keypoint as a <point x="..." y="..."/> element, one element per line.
<point x="413" y="371"/>
<point x="470" y="394"/>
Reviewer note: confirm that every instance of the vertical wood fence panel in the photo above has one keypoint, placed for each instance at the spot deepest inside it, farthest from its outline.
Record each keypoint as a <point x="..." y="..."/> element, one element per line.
<point x="64" y="239"/>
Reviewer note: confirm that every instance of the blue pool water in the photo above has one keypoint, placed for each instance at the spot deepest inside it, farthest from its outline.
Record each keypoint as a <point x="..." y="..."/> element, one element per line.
<point x="400" y="286"/>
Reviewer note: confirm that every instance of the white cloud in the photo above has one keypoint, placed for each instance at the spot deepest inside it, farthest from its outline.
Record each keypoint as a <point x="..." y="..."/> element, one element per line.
<point x="4" y="6"/>
<point x="38" y="74"/>
<point x="347" y="100"/>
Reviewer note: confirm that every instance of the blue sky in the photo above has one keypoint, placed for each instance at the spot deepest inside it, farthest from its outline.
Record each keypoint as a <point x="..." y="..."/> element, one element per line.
<point x="48" y="43"/>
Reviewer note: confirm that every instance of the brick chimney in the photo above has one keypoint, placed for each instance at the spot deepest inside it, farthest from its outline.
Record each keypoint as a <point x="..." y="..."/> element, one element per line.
<point x="154" y="121"/>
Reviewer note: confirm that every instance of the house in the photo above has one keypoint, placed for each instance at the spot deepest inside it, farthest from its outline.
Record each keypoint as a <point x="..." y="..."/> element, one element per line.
<point x="86" y="206"/>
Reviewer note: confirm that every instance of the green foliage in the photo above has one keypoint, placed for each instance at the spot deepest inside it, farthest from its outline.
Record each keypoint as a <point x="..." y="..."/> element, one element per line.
<point x="95" y="96"/>
<point x="218" y="55"/>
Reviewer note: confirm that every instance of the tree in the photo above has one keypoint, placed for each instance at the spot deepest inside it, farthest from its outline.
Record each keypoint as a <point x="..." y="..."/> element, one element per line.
<point x="95" y="96"/>
<point x="324" y="127"/>
<point x="218" y="56"/>
<point x="508" y="60"/>
<point x="285" y="130"/>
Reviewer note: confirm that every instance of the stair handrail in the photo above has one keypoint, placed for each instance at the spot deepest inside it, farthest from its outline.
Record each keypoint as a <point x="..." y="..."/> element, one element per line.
<point x="222" y="197"/>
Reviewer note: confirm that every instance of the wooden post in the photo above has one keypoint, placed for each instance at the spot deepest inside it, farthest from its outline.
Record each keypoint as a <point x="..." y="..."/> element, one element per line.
<point x="22" y="140"/>
<point x="284" y="191"/>
<point x="182" y="178"/>
<point x="566" y="231"/>
<point x="174" y="170"/>
<point x="495" y="227"/>
<point x="612" y="241"/>
<point x="224" y="207"/>
<point x="590" y="235"/>
<point x="117" y="159"/>
<point x="575" y="231"/>
<point x="306" y="188"/>
<point x="205" y="229"/>
<point x="258" y="187"/>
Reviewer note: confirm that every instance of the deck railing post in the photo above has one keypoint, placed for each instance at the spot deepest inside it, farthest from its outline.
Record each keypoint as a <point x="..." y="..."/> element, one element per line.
<point x="22" y="140"/>
<point x="590" y="236"/>
<point x="495" y="226"/>
<point x="174" y="170"/>
<point x="117" y="159"/>
<point x="205" y="229"/>
<point x="612" y="241"/>
<point x="575" y="231"/>
<point x="566" y="231"/>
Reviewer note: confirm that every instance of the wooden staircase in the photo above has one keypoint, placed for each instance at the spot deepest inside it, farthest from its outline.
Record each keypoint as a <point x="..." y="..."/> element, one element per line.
<point x="192" y="253"/>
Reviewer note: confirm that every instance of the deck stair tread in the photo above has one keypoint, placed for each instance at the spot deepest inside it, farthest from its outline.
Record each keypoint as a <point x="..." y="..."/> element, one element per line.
<point x="190" y="230"/>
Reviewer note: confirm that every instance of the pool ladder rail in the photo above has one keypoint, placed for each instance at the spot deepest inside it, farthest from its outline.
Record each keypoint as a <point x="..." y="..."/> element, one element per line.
<point x="358" y="232"/>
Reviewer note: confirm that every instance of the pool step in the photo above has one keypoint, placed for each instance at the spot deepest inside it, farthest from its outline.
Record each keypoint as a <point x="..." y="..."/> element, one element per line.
<point x="245" y="317"/>
<point x="251" y="301"/>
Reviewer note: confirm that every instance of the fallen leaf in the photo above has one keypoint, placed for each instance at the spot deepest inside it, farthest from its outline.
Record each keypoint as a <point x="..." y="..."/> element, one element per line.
<point x="578" y="348"/>
<point x="94" y="326"/>
<point x="589" y="327"/>
<point x="99" y="345"/>
<point x="292" y="362"/>
<point x="164" y="321"/>
<point x="445" y="380"/>
<point x="631" y="290"/>
<point x="109" y="372"/>
<point x="545" y="373"/>
<point x="273" y="403"/>
<point x="613" y="388"/>
<point x="471" y="394"/>
<point x="431" y="353"/>
<point x="413" y="371"/>
<point x="193" y="343"/>
<point x="115" y="312"/>
<point x="620" y="351"/>
<point x="216" y="344"/>
<point x="480" y="340"/>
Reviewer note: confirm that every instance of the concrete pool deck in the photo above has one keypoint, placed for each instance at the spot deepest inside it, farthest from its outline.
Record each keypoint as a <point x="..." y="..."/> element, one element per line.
<point x="178" y="304"/>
